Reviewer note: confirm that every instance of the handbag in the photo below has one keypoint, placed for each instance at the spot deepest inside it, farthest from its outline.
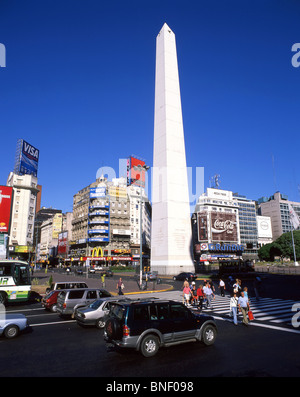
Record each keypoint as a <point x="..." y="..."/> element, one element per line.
<point x="250" y="315"/>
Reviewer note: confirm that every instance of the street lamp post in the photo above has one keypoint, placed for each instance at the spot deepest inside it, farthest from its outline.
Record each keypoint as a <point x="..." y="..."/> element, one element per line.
<point x="144" y="169"/>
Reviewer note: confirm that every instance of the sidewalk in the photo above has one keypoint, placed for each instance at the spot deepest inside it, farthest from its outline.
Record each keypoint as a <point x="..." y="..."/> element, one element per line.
<point x="131" y="286"/>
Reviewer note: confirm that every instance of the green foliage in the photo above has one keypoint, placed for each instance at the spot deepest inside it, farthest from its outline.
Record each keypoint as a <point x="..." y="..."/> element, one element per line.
<point x="282" y="247"/>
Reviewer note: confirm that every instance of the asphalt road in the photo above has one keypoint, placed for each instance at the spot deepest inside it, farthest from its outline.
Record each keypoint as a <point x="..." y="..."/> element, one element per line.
<point x="60" y="348"/>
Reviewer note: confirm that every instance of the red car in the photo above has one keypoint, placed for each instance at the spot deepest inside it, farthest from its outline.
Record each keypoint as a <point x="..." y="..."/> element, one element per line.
<point x="50" y="300"/>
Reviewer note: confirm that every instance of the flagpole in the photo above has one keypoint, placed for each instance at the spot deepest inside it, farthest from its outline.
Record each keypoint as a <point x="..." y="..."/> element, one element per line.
<point x="291" y="213"/>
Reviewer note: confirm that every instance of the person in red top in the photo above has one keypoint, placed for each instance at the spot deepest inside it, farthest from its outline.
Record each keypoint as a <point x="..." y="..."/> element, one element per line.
<point x="200" y="295"/>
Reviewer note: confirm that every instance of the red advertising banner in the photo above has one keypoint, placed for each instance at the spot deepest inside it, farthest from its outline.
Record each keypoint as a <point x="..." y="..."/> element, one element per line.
<point x="62" y="243"/>
<point x="135" y="172"/>
<point x="5" y="207"/>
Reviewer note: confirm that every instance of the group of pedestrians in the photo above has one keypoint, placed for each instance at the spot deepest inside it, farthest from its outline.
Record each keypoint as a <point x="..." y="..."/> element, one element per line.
<point x="205" y="293"/>
<point x="200" y="296"/>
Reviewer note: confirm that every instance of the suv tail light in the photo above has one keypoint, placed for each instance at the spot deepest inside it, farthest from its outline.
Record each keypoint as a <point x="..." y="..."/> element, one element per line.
<point x="126" y="330"/>
<point x="64" y="305"/>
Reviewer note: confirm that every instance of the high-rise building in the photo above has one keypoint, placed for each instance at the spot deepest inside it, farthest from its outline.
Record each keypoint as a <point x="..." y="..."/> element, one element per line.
<point x="277" y="208"/>
<point x="23" y="212"/>
<point x="106" y="221"/>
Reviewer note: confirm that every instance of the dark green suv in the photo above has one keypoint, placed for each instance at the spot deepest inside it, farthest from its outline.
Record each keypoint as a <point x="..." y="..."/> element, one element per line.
<point x="148" y="324"/>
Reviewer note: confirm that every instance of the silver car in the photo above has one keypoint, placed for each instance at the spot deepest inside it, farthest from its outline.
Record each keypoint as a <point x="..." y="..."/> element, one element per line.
<point x="12" y="324"/>
<point x="95" y="313"/>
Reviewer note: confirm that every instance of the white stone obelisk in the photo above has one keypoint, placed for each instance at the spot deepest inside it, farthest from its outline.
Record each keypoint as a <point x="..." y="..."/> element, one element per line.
<point x="171" y="234"/>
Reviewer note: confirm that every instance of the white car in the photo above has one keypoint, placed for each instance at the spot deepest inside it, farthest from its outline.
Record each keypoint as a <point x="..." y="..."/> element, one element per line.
<point x="95" y="313"/>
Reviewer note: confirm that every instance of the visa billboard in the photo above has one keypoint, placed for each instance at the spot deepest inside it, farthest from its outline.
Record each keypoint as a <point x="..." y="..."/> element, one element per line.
<point x="28" y="158"/>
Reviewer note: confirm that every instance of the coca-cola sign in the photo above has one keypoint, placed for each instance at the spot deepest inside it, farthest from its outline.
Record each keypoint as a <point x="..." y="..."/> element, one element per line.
<point x="223" y="226"/>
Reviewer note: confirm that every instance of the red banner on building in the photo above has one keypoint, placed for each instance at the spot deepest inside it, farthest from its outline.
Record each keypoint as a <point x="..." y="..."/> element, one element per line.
<point x="6" y="193"/>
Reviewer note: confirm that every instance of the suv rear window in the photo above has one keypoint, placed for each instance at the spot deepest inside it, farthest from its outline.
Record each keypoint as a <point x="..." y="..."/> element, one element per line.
<point x="76" y="294"/>
<point x="117" y="310"/>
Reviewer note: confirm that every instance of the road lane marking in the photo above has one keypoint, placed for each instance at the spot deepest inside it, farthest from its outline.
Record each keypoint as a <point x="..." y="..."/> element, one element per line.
<point x="54" y="323"/>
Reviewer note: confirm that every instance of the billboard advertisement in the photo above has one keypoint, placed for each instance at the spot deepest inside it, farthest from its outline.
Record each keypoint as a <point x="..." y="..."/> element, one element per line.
<point x="224" y="227"/>
<point x="6" y="193"/>
<point x="27" y="158"/>
<point x="264" y="227"/>
<point x="96" y="192"/>
<point x="62" y="243"/>
<point x="135" y="172"/>
<point x="57" y="225"/>
<point x="202" y="226"/>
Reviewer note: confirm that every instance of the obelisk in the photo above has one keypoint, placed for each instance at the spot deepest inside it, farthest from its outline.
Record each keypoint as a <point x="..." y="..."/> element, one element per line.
<point x="171" y="233"/>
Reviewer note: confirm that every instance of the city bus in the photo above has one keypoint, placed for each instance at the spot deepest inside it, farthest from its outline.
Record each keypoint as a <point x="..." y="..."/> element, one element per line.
<point x="15" y="281"/>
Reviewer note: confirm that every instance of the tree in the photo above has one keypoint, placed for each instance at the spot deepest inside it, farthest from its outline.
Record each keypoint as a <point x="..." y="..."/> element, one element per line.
<point x="282" y="247"/>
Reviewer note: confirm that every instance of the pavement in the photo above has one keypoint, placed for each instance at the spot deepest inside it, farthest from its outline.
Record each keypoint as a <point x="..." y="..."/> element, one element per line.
<point x="94" y="281"/>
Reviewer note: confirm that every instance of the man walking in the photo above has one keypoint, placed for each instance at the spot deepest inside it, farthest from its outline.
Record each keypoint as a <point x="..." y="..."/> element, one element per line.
<point x="243" y="305"/>
<point x="208" y="294"/>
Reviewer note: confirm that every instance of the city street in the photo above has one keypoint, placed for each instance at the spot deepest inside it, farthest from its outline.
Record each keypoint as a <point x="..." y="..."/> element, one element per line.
<point x="57" y="347"/>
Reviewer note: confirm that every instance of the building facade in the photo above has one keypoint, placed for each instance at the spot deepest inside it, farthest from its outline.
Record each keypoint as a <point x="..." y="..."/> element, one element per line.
<point x="25" y="191"/>
<point x="277" y="208"/>
<point x="224" y="227"/>
<point x="104" y="226"/>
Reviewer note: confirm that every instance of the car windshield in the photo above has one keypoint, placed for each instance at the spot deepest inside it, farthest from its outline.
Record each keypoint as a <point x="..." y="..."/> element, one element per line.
<point x="96" y="304"/>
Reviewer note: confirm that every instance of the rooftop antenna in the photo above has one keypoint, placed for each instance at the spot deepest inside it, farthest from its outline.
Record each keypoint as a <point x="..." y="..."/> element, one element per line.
<point x="274" y="174"/>
<point x="215" y="181"/>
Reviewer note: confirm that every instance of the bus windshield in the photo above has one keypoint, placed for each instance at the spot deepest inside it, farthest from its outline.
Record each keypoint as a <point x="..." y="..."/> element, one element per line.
<point x="19" y="272"/>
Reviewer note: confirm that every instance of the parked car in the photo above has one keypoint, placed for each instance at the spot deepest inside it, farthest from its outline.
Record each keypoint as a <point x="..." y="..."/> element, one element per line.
<point x="146" y="325"/>
<point x="49" y="301"/>
<point x="12" y="324"/>
<point x="96" y="313"/>
<point x="69" y="300"/>
<point x="63" y="285"/>
<point x="92" y="270"/>
<point x="107" y="272"/>
<point x="185" y="276"/>
<point x="79" y="271"/>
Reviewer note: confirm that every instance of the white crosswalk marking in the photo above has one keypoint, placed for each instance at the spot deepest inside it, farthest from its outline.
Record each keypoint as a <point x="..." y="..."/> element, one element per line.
<point x="264" y="309"/>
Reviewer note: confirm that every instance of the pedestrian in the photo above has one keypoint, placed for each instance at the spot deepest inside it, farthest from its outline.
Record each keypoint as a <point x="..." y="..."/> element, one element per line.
<point x="194" y="297"/>
<point x="237" y="287"/>
<point x="234" y="307"/>
<point x="103" y="275"/>
<point x="246" y="292"/>
<point x="186" y="294"/>
<point x="243" y="305"/>
<point x="200" y="295"/>
<point x="120" y="286"/>
<point x="208" y="294"/>
<point x="222" y="287"/>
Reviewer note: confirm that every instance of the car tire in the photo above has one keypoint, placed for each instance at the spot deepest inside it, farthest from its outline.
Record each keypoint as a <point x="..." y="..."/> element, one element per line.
<point x="174" y="278"/>
<point x="53" y="308"/>
<point x="209" y="335"/>
<point x="100" y="323"/>
<point x="149" y="346"/>
<point x="113" y="329"/>
<point x="11" y="331"/>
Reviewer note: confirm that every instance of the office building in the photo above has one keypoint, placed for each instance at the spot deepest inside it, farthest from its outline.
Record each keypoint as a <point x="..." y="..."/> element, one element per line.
<point x="277" y="208"/>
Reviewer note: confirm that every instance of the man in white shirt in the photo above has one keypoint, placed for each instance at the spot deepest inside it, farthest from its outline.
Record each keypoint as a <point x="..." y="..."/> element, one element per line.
<point x="208" y="294"/>
<point x="222" y="287"/>
<point x="243" y="305"/>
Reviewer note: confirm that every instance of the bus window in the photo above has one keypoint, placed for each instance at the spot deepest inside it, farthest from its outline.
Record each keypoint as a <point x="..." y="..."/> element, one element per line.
<point x="21" y="275"/>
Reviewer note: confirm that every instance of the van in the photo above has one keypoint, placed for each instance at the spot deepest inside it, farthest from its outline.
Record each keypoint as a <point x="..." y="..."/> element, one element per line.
<point x="66" y="285"/>
<point x="67" y="300"/>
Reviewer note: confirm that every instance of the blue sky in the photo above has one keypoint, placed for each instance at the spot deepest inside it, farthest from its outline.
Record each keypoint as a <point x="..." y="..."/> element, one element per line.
<point x="79" y="86"/>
